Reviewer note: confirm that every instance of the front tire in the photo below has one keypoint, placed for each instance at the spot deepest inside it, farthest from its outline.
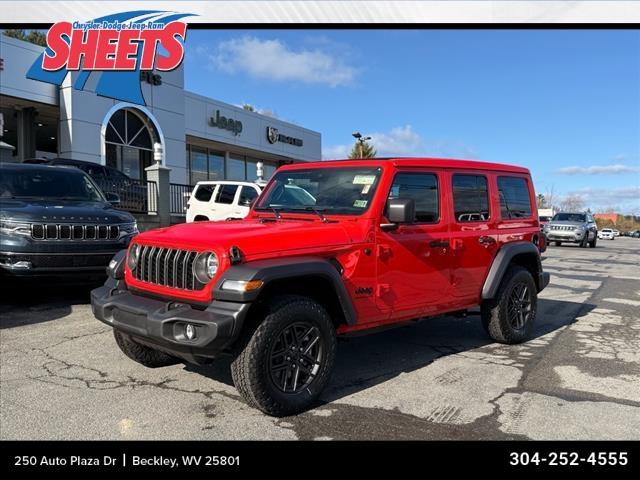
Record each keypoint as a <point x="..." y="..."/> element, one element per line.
<point x="144" y="355"/>
<point x="593" y="242"/>
<point x="283" y="365"/>
<point x="509" y="317"/>
<point x="558" y="243"/>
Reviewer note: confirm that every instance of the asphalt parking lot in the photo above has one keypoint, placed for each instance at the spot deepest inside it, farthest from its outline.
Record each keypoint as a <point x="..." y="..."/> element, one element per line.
<point x="63" y="377"/>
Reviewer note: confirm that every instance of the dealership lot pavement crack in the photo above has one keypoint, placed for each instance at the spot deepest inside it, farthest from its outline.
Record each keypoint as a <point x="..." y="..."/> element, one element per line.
<point x="62" y="376"/>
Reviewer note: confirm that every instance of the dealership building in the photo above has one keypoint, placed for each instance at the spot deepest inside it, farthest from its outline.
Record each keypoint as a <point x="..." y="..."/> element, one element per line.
<point x="201" y="138"/>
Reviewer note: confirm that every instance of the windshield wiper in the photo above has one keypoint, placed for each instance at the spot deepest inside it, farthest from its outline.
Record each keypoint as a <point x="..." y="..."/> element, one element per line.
<point x="309" y="208"/>
<point x="276" y="209"/>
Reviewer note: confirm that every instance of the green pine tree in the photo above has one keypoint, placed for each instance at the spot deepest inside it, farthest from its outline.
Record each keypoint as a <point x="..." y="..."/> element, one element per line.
<point x="365" y="150"/>
<point x="33" y="36"/>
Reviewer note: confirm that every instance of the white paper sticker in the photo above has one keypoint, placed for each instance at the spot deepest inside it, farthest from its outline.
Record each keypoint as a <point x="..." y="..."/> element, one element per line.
<point x="366" y="189"/>
<point x="364" y="179"/>
<point x="360" y="203"/>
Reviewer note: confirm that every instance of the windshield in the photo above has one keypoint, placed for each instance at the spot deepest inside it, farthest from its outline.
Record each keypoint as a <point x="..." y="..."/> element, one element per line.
<point x="330" y="190"/>
<point x="569" y="217"/>
<point x="48" y="184"/>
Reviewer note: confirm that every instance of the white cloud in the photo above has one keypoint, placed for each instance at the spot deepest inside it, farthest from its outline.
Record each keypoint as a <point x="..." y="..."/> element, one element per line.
<point x="621" y="199"/>
<point x="403" y="141"/>
<point x="274" y="60"/>
<point x="617" y="169"/>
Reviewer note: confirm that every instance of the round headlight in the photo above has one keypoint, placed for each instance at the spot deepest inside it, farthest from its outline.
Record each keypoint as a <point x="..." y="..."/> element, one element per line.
<point x="205" y="266"/>
<point x="132" y="257"/>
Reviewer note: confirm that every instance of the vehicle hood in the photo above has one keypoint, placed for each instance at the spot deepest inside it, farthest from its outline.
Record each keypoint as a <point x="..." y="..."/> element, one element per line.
<point x="61" y="211"/>
<point x="252" y="236"/>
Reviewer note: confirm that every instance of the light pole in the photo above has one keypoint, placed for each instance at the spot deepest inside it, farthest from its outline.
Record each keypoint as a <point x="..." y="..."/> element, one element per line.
<point x="361" y="141"/>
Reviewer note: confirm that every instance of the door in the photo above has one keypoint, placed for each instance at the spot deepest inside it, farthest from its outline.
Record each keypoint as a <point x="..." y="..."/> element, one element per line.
<point x="198" y="206"/>
<point x="247" y="195"/>
<point x="473" y="235"/>
<point x="224" y="202"/>
<point x="413" y="260"/>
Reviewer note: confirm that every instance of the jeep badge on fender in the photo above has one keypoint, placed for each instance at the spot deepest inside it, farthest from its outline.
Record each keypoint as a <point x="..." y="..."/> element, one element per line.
<point x="329" y="249"/>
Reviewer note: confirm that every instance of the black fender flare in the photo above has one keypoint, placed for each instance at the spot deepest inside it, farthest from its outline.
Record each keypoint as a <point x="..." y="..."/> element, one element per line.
<point x="502" y="261"/>
<point x="285" y="268"/>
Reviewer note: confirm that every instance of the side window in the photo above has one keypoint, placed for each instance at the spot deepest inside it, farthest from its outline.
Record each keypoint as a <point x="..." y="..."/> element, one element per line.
<point x="423" y="188"/>
<point x="204" y="193"/>
<point x="470" y="198"/>
<point x="514" y="197"/>
<point x="226" y="194"/>
<point x="247" y="195"/>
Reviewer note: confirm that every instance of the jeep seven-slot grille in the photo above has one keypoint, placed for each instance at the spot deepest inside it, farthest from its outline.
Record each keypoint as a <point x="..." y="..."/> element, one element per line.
<point x="167" y="267"/>
<point x="562" y="227"/>
<point x="53" y="231"/>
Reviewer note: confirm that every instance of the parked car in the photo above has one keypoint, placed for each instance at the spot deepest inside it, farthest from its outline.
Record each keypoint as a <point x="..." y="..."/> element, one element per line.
<point x="616" y="233"/>
<point x="572" y="227"/>
<point x="384" y="241"/>
<point x="132" y="193"/>
<point x="56" y="221"/>
<point x="606" y="234"/>
<point x="635" y="234"/>
<point x="221" y="200"/>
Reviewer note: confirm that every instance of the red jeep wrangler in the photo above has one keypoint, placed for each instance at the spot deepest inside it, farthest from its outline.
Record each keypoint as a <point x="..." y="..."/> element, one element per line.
<point x="329" y="249"/>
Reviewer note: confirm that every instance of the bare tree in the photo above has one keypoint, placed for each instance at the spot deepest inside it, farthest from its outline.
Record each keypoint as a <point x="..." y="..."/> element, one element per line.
<point x="572" y="203"/>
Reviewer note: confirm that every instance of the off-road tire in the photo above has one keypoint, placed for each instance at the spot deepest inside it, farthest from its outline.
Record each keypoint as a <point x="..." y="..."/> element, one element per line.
<point x="558" y="243"/>
<point x="144" y="355"/>
<point x="250" y="368"/>
<point x="593" y="242"/>
<point x="494" y="313"/>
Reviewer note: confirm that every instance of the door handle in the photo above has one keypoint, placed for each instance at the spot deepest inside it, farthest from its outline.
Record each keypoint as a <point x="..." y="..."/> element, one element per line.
<point x="484" y="240"/>
<point x="439" y="244"/>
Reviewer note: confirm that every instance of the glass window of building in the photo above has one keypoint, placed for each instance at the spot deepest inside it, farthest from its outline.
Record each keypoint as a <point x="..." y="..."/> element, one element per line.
<point x="269" y="170"/>
<point x="198" y="165"/>
<point x="216" y="165"/>
<point x="236" y="168"/>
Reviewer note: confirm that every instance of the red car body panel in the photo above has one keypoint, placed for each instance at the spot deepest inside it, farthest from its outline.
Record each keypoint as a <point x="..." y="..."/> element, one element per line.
<point x="402" y="274"/>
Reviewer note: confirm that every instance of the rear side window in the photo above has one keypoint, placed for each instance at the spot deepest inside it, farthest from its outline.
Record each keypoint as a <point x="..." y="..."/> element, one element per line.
<point x="226" y="194"/>
<point x="204" y="192"/>
<point x="247" y="195"/>
<point x="423" y="188"/>
<point x="514" y="197"/>
<point x="470" y="198"/>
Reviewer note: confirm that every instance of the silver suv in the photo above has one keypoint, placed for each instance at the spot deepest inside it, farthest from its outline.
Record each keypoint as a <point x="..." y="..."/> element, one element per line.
<point x="566" y="227"/>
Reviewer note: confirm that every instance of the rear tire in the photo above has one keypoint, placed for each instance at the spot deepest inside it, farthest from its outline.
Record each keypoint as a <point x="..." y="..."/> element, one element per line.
<point x="144" y="355"/>
<point x="283" y="365"/>
<point x="593" y="242"/>
<point x="509" y="317"/>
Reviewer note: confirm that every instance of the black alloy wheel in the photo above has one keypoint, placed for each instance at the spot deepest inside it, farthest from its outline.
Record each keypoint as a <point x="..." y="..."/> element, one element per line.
<point x="519" y="309"/>
<point x="296" y="357"/>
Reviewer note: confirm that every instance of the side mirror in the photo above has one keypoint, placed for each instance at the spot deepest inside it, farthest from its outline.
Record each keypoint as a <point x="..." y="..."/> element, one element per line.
<point x="399" y="210"/>
<point x="112" y="198"/>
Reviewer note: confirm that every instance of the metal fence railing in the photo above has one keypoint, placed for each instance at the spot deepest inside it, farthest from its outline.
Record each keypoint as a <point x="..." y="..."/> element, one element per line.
<point x="179" y="196"/>
<point x="138" y="196"/>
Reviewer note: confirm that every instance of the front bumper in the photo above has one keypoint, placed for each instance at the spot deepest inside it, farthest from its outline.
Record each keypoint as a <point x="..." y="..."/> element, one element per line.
<point x="555" y="236"/>
<point x="32" y="264"/>
<point x="161" y="324"/>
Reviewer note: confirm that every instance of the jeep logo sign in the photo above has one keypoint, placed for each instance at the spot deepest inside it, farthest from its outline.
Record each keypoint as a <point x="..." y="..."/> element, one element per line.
<point x="274" y="136"/>
<point x="225" y="123"/>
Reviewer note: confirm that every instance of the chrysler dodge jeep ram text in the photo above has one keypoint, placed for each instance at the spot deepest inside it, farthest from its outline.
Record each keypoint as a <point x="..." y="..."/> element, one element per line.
<point x="356" y="245"/>
<point x="55" y="221"/>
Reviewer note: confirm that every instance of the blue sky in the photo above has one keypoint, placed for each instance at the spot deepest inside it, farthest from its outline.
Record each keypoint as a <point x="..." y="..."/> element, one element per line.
<point x="565" y="104"/>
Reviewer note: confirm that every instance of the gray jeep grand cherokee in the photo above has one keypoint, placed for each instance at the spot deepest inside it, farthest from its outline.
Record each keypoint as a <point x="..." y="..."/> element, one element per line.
<point x="567" y="227"/>
<point x="55" y="221"/>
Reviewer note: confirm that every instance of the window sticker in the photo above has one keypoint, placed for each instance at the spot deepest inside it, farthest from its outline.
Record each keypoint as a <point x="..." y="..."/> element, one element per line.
<point x="366" y="189"/>
<point x="364" y="179"/>
<point x="360" y="203"/>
